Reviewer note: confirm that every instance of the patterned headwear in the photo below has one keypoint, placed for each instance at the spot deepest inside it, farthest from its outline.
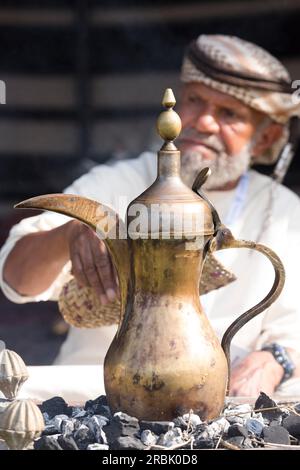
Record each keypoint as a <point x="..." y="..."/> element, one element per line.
<point x="247" y="72"/>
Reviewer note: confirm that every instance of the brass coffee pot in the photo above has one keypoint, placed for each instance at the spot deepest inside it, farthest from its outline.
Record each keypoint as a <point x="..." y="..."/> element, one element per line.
<point x="165" y="358"/>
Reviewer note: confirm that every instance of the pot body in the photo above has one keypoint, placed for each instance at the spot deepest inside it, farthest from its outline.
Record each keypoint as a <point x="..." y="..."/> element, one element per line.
<point x="165" y="359"/>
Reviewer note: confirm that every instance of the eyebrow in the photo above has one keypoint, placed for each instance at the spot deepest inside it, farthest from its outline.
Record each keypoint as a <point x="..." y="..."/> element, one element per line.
<point x="227" y="104"/>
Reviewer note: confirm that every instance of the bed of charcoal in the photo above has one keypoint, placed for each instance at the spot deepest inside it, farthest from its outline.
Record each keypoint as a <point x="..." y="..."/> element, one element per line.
<point x="266" y="424"/>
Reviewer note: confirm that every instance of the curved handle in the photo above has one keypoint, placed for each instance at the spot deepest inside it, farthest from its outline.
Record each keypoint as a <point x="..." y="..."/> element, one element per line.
<point x="223" y="240"/>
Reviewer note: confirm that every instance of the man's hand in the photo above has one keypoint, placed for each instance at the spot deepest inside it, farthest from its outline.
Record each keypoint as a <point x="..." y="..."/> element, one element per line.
<point x="91" y="263"/>
<point x="258" y="372"/>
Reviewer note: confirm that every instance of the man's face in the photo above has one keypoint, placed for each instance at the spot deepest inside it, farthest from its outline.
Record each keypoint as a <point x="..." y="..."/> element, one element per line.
<point x="217" y="131"/>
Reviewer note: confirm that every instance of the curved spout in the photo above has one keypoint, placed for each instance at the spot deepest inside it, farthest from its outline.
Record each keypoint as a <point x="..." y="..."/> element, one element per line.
<point x="102" y="219"/>
<point x="86" y="210"/>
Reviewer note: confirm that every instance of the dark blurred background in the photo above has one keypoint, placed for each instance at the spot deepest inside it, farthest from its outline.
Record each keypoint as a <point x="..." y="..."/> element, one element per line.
<point x="84" y="80"/>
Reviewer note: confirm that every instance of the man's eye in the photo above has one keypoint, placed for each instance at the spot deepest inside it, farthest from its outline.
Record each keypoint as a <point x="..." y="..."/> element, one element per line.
<point x="228" y="113"/>
<point x="193" y="99"/>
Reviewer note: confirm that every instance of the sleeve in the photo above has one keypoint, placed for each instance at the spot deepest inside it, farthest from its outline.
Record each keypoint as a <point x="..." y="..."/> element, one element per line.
<point x="93" y="185"/>
<point x="45" y="221"/>
<point x="281" y="323"/>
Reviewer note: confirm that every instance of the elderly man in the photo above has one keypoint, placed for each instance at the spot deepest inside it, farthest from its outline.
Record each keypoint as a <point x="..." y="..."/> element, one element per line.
<point x="235" y="109"/>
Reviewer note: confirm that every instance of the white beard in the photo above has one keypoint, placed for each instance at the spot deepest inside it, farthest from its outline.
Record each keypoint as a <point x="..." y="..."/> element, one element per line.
<point x="224" y="168"/>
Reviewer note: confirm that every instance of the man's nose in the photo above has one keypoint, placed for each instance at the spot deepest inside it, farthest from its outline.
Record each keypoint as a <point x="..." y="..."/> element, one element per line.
<point x="207" y="123"/>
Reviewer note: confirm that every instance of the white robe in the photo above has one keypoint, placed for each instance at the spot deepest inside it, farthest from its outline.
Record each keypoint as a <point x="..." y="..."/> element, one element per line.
<point x="127" y="179"/>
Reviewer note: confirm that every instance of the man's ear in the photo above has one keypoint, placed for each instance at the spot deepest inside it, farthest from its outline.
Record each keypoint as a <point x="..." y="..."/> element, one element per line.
<point x="266" y="138"/>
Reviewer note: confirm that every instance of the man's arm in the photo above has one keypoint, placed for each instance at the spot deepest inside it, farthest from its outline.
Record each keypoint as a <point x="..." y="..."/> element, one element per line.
<point x="37" y="259"/>
<point x="259" y="371"/>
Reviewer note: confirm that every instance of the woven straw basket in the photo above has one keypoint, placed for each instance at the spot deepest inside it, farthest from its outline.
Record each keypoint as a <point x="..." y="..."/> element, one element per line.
<point x="81" y="307"/>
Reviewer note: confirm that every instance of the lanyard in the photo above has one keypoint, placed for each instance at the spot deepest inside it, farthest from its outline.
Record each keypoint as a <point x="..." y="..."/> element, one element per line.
<point x="233" y="214"/>
<point x="238" y="201"/>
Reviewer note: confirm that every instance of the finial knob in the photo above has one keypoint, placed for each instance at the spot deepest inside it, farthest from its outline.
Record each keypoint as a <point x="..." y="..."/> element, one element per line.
<point x="168" y="122"/>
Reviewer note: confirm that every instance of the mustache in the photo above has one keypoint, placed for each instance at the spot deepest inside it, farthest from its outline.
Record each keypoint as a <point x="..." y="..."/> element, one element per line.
<point x="212" y="141"/>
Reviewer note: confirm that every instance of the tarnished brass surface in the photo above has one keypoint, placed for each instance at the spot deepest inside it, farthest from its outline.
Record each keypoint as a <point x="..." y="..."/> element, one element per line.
<point x="80" y="305"/>
<point x="165" y="358"/>
<point x="168" y="122"/>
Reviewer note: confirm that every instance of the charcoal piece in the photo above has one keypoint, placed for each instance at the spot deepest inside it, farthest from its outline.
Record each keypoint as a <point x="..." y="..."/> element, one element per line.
<point x="276" y="422"/>
<point x="171" y="438"/>
<point x="276" y="435"/>
<point x="292" y="425"/>
<point x="79" y="413"/>
<point x="237" y="430"/>
<point x="248" y="443"/>
<point x="98" y="406"/>
<point x="55" y="406"/>
<point x="58" y="420"/>
<point x="49" y="430"/>
<point x="97" y="446"/>
<point x="254" y="426"/>
<point x="101" y="400"/>
<point x="263" y="401"/>
<point x="125" y="418"/>
<point x="47" y="443"/>
<point x="148" y="438"/>
<point x="121" y="425"/>
<point x="127" y="442"/>
<point x="83" y="437"/>
<point x="180" y="423"/>
<point x="193" y="419"/>
<point x="236" y="420"/>
<point x="237" y="441"/>
<point x="204" y="443"/>
<point x="157" y="427"/>
<point x="67" y="442"/>
<point x="95" y="424"/>
<point x="68" y="426"/>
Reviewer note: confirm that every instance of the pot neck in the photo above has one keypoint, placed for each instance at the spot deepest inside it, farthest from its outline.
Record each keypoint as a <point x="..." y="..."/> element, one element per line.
<point x="168" y="162"/>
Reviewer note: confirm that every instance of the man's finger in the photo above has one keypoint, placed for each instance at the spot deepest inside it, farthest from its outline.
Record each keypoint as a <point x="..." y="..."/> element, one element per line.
<point x="91" y="273"/>
<point x="116" y="278"/>
<point x="104" y="269"/>
<point x="77" y="270"/>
